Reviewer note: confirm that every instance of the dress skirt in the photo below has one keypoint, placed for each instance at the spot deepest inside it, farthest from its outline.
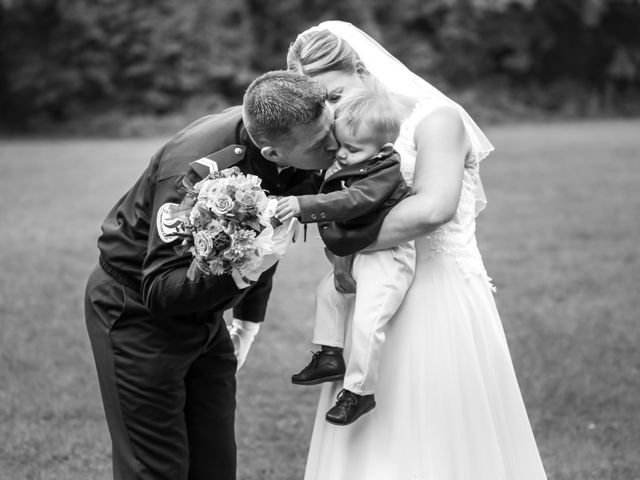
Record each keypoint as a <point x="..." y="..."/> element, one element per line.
<point x="448" y="402"/>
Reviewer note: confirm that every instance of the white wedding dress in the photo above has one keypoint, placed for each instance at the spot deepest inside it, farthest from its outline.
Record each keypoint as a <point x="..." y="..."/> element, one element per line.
<point x="448" y="402"/>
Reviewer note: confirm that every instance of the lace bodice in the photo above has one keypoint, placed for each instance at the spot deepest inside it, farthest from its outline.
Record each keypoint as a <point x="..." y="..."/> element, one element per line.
<point x="457" y="237"/>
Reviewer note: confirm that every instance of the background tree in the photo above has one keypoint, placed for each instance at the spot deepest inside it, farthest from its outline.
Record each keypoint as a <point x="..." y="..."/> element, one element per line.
<point x="66" y="59"/>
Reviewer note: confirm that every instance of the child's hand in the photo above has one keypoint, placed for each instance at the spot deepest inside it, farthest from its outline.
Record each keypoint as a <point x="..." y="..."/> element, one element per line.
<point x="288" y="207"/>
<point x="342" y="274"/>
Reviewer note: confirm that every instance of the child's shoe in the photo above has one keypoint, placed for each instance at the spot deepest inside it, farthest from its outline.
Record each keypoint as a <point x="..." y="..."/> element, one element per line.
<point x="349" y="407"/>
<point x="327" y="365"/>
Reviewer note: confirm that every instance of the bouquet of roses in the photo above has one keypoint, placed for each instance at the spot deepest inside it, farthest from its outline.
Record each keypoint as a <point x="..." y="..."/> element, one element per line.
<point x="227" y="224"/>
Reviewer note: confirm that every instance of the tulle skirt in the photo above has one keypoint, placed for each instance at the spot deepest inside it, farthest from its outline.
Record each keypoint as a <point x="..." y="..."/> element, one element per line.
<point x="448" y="402"/>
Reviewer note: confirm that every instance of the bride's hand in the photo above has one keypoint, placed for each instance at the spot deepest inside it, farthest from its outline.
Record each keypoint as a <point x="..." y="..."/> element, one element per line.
<point x="343" y="279"/>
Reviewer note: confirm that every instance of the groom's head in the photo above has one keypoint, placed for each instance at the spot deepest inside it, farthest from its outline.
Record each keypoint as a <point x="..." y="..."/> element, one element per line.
<point x="287" y="116"/>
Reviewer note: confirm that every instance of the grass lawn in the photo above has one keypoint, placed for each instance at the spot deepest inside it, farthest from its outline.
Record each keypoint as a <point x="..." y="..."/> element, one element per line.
<point x="560" y="237"/>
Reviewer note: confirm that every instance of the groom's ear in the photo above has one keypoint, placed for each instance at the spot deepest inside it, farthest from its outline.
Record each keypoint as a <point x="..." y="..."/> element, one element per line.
<point x="270" y="154"/>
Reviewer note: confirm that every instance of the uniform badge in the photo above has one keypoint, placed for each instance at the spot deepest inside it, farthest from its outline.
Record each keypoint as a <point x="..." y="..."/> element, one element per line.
<point x="167" y="225"/>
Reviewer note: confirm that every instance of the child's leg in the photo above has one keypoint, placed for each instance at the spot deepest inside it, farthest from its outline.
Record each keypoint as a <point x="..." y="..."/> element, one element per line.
<point x="326" y="365"/>
<point x="383" y="278"/>
<point x="332" y="309"/>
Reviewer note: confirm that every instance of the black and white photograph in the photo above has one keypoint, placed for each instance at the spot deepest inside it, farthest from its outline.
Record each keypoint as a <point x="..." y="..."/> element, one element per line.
<point x="289" y="240"/>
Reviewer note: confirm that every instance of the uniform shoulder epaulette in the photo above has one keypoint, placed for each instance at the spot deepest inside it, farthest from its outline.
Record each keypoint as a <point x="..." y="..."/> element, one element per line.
<point x="223" y="158"/>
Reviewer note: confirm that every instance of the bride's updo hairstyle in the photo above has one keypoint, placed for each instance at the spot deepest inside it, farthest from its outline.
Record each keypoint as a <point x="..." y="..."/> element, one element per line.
<point x="321" y="51"/>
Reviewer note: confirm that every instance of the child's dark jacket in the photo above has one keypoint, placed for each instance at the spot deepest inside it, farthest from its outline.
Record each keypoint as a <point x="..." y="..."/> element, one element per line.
<point x="353" y="203"/>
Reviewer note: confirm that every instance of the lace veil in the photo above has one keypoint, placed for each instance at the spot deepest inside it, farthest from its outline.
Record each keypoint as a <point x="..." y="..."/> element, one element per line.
<point x="397" y="78"/>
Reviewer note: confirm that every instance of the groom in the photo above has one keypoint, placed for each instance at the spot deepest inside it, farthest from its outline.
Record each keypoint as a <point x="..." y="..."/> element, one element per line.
<point x="166" y="363"/>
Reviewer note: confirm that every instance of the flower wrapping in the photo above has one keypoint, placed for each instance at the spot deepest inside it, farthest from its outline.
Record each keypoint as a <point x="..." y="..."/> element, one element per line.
<point x="227" y="224"/>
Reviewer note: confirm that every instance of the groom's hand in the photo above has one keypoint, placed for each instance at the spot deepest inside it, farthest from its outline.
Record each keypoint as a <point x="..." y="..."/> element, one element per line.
<point x="242" y="334"/>
<point x="342" y="278"/>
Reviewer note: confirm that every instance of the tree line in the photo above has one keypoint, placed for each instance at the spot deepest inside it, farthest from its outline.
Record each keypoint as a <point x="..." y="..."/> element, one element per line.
<point x="60" y="59"/>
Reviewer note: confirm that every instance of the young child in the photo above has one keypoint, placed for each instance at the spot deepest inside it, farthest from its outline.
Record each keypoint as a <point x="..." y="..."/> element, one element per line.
<point x="359" y="190"/>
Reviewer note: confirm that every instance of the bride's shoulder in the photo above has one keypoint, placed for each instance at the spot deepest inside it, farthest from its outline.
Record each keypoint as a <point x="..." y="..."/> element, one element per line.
<point x="438" y="121"/>
<point x="428" y="108"/>
<point x="435" y="112"/>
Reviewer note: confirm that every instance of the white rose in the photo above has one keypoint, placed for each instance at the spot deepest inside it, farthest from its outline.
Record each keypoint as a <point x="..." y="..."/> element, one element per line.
<point x="203" y="244"/>
<point x="220" y="204"/>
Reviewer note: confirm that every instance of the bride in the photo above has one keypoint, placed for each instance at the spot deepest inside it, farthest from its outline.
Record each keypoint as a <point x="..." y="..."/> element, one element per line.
<point x="448" y="402"/>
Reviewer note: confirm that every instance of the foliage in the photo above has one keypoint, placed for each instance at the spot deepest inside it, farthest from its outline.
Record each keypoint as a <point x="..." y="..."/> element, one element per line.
<point x="60" y="59"/>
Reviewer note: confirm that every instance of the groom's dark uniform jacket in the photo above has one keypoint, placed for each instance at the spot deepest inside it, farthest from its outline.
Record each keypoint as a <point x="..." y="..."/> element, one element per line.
<point x="136" y="247"/>
<point x="164" y="358"/>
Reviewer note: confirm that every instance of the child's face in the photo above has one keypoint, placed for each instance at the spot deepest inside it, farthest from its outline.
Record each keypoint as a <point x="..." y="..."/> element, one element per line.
<point x="355" y="147"/>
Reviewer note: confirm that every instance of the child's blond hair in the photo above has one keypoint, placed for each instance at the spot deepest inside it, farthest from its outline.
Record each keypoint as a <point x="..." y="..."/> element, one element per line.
<point x="373" y="106"/>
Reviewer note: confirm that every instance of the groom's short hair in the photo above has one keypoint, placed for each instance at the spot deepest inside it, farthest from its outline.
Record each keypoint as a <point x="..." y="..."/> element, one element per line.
<point x="279" y="100"/>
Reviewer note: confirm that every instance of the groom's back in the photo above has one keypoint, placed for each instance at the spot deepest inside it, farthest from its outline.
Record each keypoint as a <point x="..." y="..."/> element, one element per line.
<point x="131" y="227"/>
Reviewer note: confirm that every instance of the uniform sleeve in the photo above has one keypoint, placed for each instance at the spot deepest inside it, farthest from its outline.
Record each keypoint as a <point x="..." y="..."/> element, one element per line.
<point x="361" y="197"/>
<point x="253" y="305"/>
<point x="166" y="290"/>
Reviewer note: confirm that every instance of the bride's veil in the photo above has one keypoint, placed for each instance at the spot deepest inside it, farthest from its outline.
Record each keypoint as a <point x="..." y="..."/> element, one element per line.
<point x="397" y="78"/>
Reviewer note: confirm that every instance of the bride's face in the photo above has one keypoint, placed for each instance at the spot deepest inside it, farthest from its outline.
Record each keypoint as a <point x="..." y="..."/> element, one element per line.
<point x="338" y="83"/>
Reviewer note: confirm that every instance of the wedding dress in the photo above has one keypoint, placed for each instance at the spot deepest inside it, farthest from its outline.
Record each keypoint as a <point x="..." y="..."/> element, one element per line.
<point x="448" y="402"/>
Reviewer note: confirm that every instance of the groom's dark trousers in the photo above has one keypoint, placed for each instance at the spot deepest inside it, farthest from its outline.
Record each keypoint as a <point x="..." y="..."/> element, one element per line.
<point x="165" y="362"/>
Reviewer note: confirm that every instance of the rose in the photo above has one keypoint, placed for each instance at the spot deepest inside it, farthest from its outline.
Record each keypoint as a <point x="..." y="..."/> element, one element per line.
<point x="248" y="199"/>
<point x="203" y="244"/>
<point x="220" y="204"/>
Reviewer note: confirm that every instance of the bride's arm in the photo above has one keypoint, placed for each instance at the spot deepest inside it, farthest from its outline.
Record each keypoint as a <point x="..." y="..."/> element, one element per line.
<point x="442" y="146"/>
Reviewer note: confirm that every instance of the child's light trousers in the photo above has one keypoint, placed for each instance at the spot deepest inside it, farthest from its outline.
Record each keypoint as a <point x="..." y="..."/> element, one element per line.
<point x="358" y="322"/>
